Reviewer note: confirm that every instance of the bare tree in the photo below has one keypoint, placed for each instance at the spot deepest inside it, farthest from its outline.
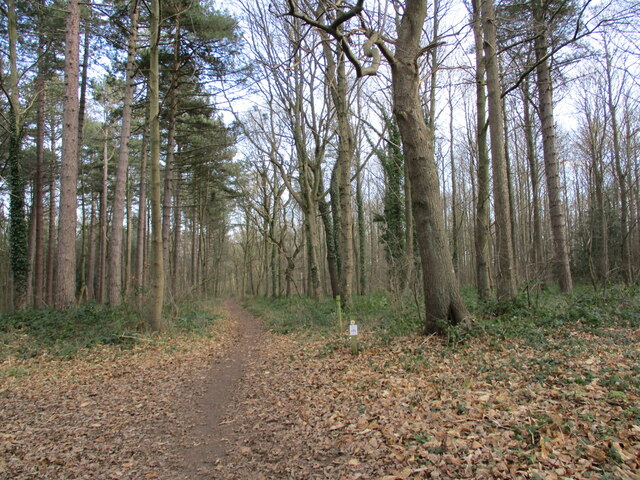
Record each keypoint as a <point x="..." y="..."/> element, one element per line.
<point x="443" y="303"/>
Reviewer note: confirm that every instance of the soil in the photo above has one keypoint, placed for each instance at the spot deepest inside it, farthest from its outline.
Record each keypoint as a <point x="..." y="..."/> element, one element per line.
<point x="206" y="442"/>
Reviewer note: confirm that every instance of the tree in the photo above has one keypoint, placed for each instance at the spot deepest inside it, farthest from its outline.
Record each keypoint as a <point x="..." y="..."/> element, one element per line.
<point x="157" y="280"/>
<point x="443" y="303"/>
<point x="66" y="252"/>
<point x="115" y="246"/>
<point x="17" y="216"/>
<point x="551" y="163"/>
<point x="338" y="86"/>
<point x="506" y="284"/>
<point x="482" y="203"/>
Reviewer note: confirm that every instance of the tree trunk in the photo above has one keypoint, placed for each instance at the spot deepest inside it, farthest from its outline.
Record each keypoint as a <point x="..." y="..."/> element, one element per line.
<point x="362" y="247"/>
<point x="455" y="256"/>
<point x="51" y="237"/>
<point x="115" y="245"/>
<point x="157" y="285"/>
<point x="38" y="205"/>
<point x="18" y="229"/>
<point x="142" y="211"/>
<point x="102" y="224"/>
<point x="409" y="242"/>
<point x="620" y="173"/>
<point x="482" y="205"/>
<point x="337" y="79"/>
<point x="177" y="224"/>
<point x="506" y="284"/>
<point x="443" y="303"/>
<point x="65" y="289"/>
<point x="536" y="241"/>
<point x="552" y="170"/>
<point x="167" y="199"/>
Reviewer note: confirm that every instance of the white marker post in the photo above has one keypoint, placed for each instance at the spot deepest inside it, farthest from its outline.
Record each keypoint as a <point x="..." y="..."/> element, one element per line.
<point x="353" y="331"/>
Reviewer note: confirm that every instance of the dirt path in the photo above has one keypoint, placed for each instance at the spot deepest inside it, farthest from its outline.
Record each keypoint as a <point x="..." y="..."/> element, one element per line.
<point x="208" y="439"/>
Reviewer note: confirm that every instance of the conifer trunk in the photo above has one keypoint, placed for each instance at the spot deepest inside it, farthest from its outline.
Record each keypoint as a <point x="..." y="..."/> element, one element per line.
<point x="115" y="244"/>
<point x="65" y="285"/>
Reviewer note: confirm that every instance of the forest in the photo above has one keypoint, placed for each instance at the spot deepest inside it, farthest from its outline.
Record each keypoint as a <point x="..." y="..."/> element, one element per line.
<point x="461" y="178"/>
<point x="273" y="149"/>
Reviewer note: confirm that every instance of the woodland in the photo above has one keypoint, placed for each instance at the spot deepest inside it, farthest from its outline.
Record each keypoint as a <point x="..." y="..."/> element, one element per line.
<point x="461" y="178"/>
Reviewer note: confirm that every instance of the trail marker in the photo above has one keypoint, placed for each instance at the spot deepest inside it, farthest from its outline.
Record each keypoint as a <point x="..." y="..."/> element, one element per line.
<point x="353" y="331"/>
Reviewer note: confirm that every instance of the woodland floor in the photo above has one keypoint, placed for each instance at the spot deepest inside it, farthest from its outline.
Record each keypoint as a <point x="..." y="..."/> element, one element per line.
<point x="246" y="404"/>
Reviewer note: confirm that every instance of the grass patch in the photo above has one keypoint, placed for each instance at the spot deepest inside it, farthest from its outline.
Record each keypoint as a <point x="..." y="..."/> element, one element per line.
<point x="32" y="333"/>
<point x="375" y="312"/>
<point x="544" y="320"/>
<point x="294" y="314"/>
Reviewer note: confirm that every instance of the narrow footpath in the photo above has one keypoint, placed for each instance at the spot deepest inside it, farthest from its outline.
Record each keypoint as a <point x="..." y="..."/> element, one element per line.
<point x="209" y="436"/>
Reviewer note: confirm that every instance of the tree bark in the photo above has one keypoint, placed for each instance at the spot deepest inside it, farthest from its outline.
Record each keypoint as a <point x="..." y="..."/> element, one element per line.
<point x="482" y="206"/>
<point x="142" y="210"/>
<point x="157" y="282"/>
<point x="65" y="288"/>
<point x="51" y="234"/>
<point x="443" y="303"/>
<point x="115" y="245"/>
<point x="18" y="229"/>
<point x="337" y="80"/>
<point x="552" y="169"/>
<point x="536" y="240"/>
<point x="38" y="205"/>
<point x="506" y="285"/>
<point x="102" y="224"/>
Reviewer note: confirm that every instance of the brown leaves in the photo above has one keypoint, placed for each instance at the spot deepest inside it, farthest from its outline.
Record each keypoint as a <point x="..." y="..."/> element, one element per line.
<point x="416" y="409"/>
<point x="108" y="415"/>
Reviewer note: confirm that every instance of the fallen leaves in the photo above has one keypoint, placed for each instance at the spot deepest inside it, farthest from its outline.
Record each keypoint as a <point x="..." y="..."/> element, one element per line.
<point x="418" y="409"/>
<point x="568" y="407"/>
<point x="108" y="415"/>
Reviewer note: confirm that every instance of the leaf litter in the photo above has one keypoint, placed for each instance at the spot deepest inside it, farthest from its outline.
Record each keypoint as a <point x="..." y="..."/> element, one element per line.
<point x="568" y="407"/>
<point x="108" y="414"/>
<point x="416" y="408"/>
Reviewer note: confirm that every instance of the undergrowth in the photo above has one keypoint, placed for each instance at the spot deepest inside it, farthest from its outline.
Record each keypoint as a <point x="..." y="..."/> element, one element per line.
<point x="64" y="334"/>
<point x="531" y="318"/>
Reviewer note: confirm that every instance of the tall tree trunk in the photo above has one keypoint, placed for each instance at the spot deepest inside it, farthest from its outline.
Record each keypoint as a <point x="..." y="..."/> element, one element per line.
<point x="51" y="234"/>
<point x="115" y="245"/>
<point x="18" y="229"/>
<point x="506" y="284"/>
<point x="443" y="303"/>
<point x="552" y="169"/>
<point x="128" y="239"/>
<point x="167" y="199"/>
<point x="91" y="254"/>
<point x="621" y="173"/>
<point x="337" y="79"/>
<point x="65" y="290"/>
<point x="454" y="194"/>
<point x="157" y="285"/>
<point x="538" y="257"/>
<point x="142" y="210"/>
<point x="362" y="247"/>
<point x="102" y="222"/>
<point x="482" y="205"/>
<point x="177" y="224"/>
<point x="38" y="204"/>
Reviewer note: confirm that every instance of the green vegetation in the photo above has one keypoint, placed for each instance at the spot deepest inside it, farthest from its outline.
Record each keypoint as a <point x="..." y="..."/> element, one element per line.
<point x="531" y="319"/>
<point x="376" y="311"/>
<point x="65" y="334"/>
